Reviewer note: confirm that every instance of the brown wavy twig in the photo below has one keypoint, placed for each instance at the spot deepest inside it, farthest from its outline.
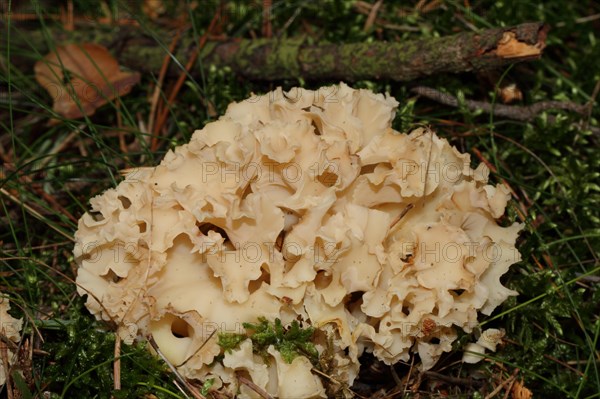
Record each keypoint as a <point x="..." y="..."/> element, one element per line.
<point x="524" y="113"/>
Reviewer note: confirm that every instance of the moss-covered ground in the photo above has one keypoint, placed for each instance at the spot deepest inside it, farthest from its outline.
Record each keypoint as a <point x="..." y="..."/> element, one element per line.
<point x="552" y="163"/>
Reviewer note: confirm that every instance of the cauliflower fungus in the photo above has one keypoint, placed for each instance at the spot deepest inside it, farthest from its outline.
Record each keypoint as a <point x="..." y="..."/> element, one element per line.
<point x="300" y="205"/>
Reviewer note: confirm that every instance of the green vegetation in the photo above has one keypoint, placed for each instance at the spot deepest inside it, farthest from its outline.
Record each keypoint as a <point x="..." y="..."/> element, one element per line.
<point x="552" y="164"/>
<point x="290" y="341"/>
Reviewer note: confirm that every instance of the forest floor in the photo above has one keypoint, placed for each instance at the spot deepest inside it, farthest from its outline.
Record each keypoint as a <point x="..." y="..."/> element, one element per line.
<point x="53" y="162"/>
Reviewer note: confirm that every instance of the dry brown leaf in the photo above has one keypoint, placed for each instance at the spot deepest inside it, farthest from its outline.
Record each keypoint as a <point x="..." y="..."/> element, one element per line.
<point x="153" y="8"/>
<point x="510" y="46"/>
<point x="510" y="93"/>
<point x="94" y="78"/>
<point x="519" y="391"/>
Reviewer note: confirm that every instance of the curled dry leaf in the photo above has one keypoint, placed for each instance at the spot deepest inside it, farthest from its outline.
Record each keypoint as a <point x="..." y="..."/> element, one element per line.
<point x="92" y="78"/>
<point x="510" y="46"/>
<point x="153" y="8"/>
<point x="10" y="335"/>
<point x="519" y="391"/>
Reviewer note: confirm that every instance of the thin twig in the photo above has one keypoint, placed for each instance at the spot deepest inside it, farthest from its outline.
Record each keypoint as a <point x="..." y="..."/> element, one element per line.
<point x="395" y="376"/>
<point x="590" y="105"/>
<point x="33" y="212"/>
<point x="551" y="173"/>
<point x="267" y="27"/>
<point x="465" y="22"/>
<point x="117" y="363"/>
<point x="449" y="379"/>
<point x="6" y="366"/>
<point x="120" y="130"/>
<point x="580" y="20"/>
<point x="365" y="8"/>
<point x="290" y="20"/>
<point x="509" y="388"/>
<point x="60" y="145"/>
<point x="7" y="341"/>
<point x="372" y="15"/>
<point x="492" y="168"/>
<point x="330" y="378"/>
<point x="188" y="386"/>
<point x="181" y="389"/>
<point x="80" y="21"/>
<point x="410" y="370"/>
<point x="503" y="384"/>
<point x="515" y="112"/>
<point x="198" y="350"/>
<point x="589" y="279"/>
<point x="70" y="25"/>
<point x="28" y="182"/>
<point x="182" y="77"/>
<point x="401" y="215"/>
<point x="158" y="87"/>
<point x="565" y="364"/>
<point x="67" y="278"/>
<point x="254" y="387"/>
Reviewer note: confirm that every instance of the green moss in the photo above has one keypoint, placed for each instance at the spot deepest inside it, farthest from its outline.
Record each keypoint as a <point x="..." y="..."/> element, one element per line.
<point x="290" y="341"/>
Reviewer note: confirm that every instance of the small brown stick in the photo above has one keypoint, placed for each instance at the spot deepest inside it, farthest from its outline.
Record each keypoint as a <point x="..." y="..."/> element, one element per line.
<point x="509" y="388"/>
<point x="40" y="193"/>
<point x="120" y="130"/>
<point x="61" y="145"/>
<point x="181" y="389"/>
<point x="365" y="8"/>
<point x="198" y="350"/>
<point x="515" y="112"/>
<point x="491" y="167"/>
<point x="67" y="16"/>
<point x="4" y="339"/>
<point x="291" y="58"/>
<point x="565" y="364"/>
<point x="551" y="173"/>
<point x="503" y="384"/>
<point x="186" y="384"/>
<point x="254" y="387"/>
<point x="156" y="94"/>
<point x="6" y="366"/>
<point x="63" y="275"/>
<point x="401" y="215"/>
<point x="449" y="379"/>
<point x="267" y="26"/>
<point x="395" y="376"/>
<point x="32" y="211"/>
<point x="182" y="77"/>
<point x="372" y="15"/>
<point x="590" y="104"/>
<point x="589" y="279"/>
<point x="117" y="363"/>
<point x="410" y="370"/>
<point x="344" y="387"/>
<point x="24" y="17"/>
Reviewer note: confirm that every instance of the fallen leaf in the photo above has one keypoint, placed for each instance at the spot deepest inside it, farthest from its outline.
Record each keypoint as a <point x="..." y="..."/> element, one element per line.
<point x="510" y="46"/>
<point x="153" y="8"/>
<point x="510" y="93"/>
<point x="519" y="391"/>
<point x="81" y="78"/>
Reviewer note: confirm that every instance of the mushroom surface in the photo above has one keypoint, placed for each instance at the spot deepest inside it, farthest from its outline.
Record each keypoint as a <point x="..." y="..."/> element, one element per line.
<point x="301" y="205"/>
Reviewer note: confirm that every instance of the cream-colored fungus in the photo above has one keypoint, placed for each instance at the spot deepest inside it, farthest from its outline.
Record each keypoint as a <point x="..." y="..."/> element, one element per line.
<point x="306" y="206"/>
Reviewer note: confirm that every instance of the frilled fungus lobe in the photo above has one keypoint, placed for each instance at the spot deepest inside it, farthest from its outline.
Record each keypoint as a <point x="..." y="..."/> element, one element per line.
<point x="300" y="205"/>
